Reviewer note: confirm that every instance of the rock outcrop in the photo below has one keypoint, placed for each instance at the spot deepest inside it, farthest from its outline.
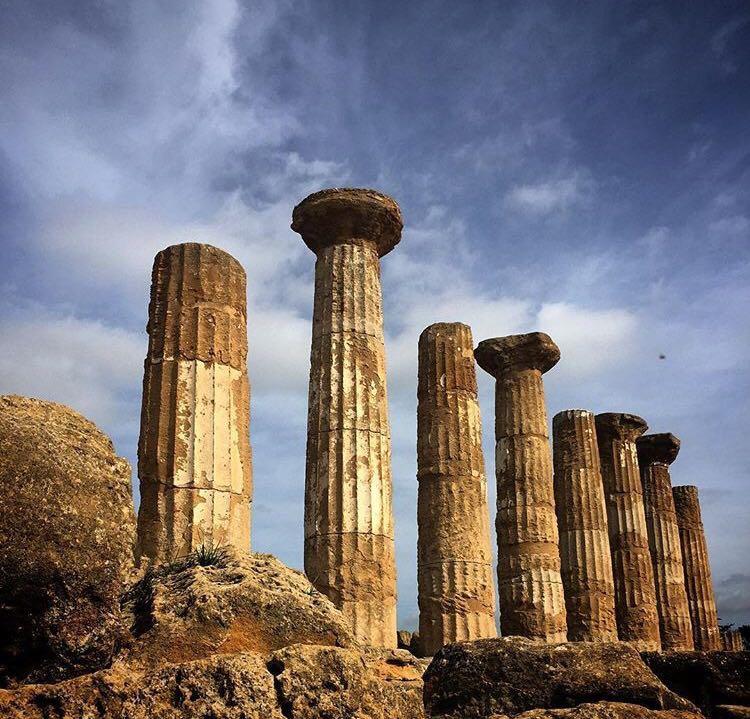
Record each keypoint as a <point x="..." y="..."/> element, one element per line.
<point x="67" y="532"/>
<point x="235" y="603"/>
<point x="607" y="710"/>
<point x="512" y="675"/>
<point x="708" y="679"/>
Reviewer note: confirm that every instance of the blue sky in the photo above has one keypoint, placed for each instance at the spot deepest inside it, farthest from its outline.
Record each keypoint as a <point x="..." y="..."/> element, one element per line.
<point x="577" y="168"/>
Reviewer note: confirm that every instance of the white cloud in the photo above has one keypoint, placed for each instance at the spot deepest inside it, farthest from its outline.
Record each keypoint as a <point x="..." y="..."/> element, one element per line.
<point x="544" y="198"/>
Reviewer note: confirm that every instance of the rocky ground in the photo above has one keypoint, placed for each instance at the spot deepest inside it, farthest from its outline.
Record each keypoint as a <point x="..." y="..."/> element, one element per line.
<point x="228" y="635"/>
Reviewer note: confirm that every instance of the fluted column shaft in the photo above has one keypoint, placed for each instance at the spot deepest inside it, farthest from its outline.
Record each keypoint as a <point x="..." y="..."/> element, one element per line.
<point x="700" y="591"/>
<point x="532" y="603"/>
<point x="732" y="641"/>
<point x="586" y="564"/>
<point x="349" y="542"/>
<point x="655" y="453"/>
<point x="454" y="556"/>
<point x="194" y="459"/>
<point x="635" y="595"/>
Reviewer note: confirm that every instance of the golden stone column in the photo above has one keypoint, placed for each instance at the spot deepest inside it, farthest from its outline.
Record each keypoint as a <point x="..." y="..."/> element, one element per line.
<point x="532" y="603"/>
<point x="582" y="523"/>
<point x="349" y="549"/>
<point x="635" y="595"/>
<point x="454" y="556"/>
<point x="655" y="453"/>
<point x="700" y="590"/>
<point x="194" y="459"/>
<point x="732" y="641"/>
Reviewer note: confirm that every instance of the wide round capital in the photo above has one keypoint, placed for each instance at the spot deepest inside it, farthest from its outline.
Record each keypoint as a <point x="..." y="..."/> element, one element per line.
<point x="657" y="448"/>
<point x="534" y="350"/>
<point x="348" y="216"/>
<point x="621" y="425"/>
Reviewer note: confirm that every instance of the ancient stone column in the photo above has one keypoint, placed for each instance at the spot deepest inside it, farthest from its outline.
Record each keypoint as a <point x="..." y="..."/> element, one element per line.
<point x="655" y="453"/>
<point x="732" y="641"/>
<point x="194" y="460"/>
<point x="530" y="588"/>
<point x="582" y="522"/>
<point x="349" y="549"/>
<point x="454" y="556"/>
<point x="635" y="596"/>
<point x="700" y="591"/>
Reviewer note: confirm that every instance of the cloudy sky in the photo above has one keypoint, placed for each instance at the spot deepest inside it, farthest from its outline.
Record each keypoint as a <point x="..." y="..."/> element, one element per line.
<point x="577" y="168"/>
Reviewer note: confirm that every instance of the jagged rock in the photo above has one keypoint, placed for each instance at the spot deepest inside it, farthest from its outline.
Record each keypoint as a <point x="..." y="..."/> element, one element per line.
<point x="706" y="678"/>
<point x="607" y="710"/>
<point x="67" y="532"/>
<point x="239" y="602"/>
<point x="331" y="683"/>
<point x="403" y="639"/>
<point x="237" y="686"/>
<point x="729" y="711"/>
<point x="474" y="680"/>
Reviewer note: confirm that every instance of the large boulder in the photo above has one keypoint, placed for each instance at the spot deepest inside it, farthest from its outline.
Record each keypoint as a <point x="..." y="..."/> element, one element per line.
<point x="331" y="683"/>
<point x="225" y="601"/>
<point x="67" y="532"/>
<point x="300" y="681"/>
<point x="474" y="680"/>
<point x="607" y="710"/>
<point x="236" y="686"/>
<point x="708" y="679"/>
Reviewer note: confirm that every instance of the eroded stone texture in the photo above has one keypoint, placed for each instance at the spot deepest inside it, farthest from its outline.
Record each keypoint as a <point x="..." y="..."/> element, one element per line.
<point x="655" y="453"/>
<point x="194" y="460"/>
<point x="582" y="522"/>
<point x="732" y="641"/>
<point x="349" y="550"/>
<point x="454" y="556"/>
<point x="530" y="588"/>
<point x="700" y="590"/>
<point x="635" y="596"/>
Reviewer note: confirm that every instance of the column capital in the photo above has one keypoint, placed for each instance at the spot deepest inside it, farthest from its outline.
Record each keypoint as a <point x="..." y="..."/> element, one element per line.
<point x="348" y="216"/>
<point x="621" y="425"/>
<point x="534" y="350"/>
<point x="660" y="448"/>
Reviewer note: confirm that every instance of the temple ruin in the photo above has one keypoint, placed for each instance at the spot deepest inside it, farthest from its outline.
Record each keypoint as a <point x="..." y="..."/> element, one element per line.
<point x="700" y="590"/>
<point x="655" y="453"/>
<point x="194" y="459"/>
<point x="349" y="548"/>
<point x="635" y="596"/>
<point x="454" y="557"/>
<point x="586" y="564"/>
<point x="532" y="603"/>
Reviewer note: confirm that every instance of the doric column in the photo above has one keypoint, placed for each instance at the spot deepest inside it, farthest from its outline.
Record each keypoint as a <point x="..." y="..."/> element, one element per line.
<point x="194" y="459"/>
<point x="700" y="590"/>
<point x="454" y="556"/>
<point x="530" y="588"/>
<point x="635" y="596"/>
<point x="582" y="523"/>
<point x="732" y="641"/>
<point x="349" y="550"/>
<point x="655" y="453"/>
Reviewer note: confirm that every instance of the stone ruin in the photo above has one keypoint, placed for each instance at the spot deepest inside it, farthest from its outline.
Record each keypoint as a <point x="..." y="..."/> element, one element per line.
<point x="591" y="547"/>
<point x="594" y="545"/>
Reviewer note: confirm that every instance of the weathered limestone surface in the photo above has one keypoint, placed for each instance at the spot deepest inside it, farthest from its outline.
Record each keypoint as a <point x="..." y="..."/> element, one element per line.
<point x="454" y="556"/>
<point x="194" y="459"/>
<point x="732" y="641"/>
<point x="532" y="603"/>
<point x="349" y="549"/>
<point x="700" y="591"/>
<point x="582" y="523"/>
<point x="655" y="453"/>
<point x="635" y="596"/>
